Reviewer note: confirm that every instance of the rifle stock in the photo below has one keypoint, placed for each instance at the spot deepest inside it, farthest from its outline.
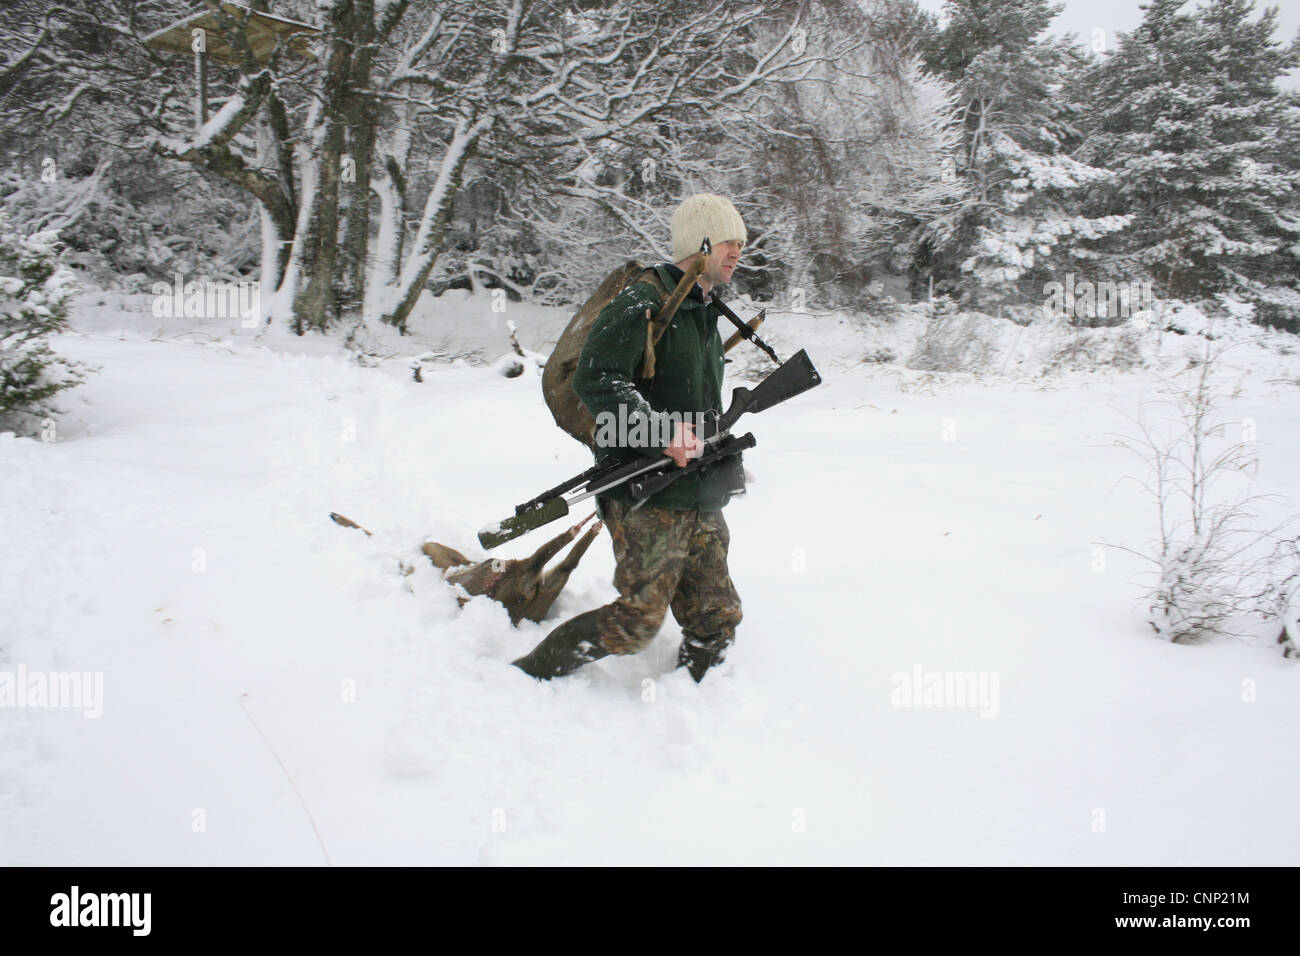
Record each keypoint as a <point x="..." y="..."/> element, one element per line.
<point x="795" y="376"/>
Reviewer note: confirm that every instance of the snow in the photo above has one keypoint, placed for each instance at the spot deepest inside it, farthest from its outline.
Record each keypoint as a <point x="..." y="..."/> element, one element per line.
<point x="906" y="530"/>
<point x="219" y="122"/>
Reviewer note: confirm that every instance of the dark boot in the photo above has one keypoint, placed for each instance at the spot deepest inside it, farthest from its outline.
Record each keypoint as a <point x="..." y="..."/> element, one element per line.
<point x="698" y="656"/>
<point x="565" y="649"/>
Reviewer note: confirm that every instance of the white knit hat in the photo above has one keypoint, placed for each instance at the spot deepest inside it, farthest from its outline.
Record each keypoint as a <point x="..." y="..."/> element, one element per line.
<point x="702" y="216"/>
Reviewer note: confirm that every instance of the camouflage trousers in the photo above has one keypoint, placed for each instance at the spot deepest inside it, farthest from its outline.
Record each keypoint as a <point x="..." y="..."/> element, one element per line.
<point x="666" y="559"/>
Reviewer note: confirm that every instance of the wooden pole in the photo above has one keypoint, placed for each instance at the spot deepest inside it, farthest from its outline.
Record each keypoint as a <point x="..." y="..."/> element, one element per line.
<point x="655" y="327"/>
<point x="201" y="80"/>
<point x="739" y="337"/>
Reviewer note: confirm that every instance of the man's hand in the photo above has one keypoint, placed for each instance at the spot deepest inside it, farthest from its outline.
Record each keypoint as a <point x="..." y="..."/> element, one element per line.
<point x="684" y="445"/>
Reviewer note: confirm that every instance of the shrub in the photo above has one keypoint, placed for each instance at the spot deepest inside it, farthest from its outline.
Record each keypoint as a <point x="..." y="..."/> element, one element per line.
<point x="36" y="290"/>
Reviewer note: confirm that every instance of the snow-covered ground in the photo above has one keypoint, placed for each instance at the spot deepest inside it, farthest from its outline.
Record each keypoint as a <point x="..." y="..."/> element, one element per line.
<point x="268" y="675"/>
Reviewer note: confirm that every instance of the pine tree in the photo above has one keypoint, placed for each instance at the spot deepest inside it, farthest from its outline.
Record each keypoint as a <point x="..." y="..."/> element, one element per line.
<point x="1020" y="224"/>
<point x="35" y="293"/>
<point x="1206" y="151"/>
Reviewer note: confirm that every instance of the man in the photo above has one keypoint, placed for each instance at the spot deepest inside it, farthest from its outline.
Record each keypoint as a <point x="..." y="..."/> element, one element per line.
<point x="671" y="552"/>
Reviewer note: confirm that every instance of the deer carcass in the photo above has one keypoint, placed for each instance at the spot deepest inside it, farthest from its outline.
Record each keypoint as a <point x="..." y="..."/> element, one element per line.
<point x="525" y="586"/>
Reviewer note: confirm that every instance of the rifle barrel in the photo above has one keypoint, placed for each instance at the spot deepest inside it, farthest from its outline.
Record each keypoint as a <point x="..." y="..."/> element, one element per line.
<point x="593" y="473"/>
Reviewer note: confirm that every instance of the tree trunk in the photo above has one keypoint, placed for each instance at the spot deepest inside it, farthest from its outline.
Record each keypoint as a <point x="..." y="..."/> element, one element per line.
<point x="316" y="304"/>
<point x="390" y="238"/>
<point x="361" y="112"/>
<point x="390" y="186"/>
<point x="433" y="224"/>
<point x="277" y="242"/>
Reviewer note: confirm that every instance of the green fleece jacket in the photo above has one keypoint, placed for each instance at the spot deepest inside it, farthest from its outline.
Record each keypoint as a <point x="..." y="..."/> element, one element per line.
<point x="632" y="414"/>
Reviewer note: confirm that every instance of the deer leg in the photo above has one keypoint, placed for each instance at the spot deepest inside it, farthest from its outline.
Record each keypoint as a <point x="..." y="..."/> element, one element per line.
<point x="577" y="551"/>
<point x="553" y="547"/>
<point x="347" y="523"/>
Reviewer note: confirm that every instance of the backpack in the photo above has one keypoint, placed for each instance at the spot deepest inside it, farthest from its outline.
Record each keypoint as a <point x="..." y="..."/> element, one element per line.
<point x="557" y="376"/>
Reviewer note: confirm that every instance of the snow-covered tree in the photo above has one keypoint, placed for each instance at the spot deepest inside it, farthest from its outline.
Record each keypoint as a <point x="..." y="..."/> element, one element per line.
<point x="126" y="219"/>
<point x="36" y="290"/>
<point x="874" y="131"/>
<point x="822" y="162"/>
<point x="356" y="157"/>
<point x="70" y="91"/>
<point x="1019" y="225"/>
<point x="567" y="205"/>
<point x="518" y="142"/>
<point x="1206" y="153"/>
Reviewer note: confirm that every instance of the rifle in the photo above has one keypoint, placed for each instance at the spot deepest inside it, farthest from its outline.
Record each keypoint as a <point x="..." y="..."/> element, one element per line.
<point x="647" y="478"/>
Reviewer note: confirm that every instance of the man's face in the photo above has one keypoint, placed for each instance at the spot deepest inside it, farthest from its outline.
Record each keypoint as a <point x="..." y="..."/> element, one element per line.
<point x="721" y="263"/>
